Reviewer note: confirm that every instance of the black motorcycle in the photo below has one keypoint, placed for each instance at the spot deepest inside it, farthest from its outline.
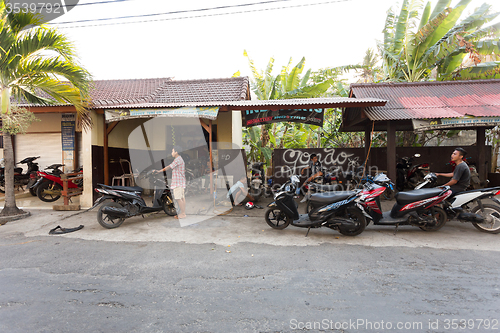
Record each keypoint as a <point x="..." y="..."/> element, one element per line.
<point x="126" y="201"/>
<point x="409" y="175"/>
<point x="336" y="210"/>
<point x="21" y="179"/>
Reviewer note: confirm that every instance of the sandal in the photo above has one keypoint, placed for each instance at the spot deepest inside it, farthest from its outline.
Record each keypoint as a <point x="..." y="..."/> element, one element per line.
<point x="59" y="230"/>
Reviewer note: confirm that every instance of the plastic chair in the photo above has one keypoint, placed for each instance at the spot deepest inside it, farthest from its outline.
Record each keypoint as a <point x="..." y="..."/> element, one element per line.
<point x="127" y="177"/>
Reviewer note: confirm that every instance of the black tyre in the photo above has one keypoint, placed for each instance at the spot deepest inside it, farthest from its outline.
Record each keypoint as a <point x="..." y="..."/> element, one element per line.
<point x="169" y="205"/>
<point x="33" y="191"/>
<point x="359" y="222"/>
<point x="48" y="191"/>
<point x="440" y="216"/>
<point x="388" y="194"/>
<point x="2" y="185"/>
<point x="309" y="207"/>
<point x="107" y="221"/>
<point x="277" y="219"/>
<point x="492" y="215"/>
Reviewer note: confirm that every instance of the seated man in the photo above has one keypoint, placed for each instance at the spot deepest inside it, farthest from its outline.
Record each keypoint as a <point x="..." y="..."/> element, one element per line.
<point x="239" y="192"/>
<point x="314" y="171"/>
<point x="461" y="174"/>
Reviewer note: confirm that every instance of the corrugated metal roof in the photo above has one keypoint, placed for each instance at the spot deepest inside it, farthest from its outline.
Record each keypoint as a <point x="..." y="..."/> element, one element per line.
<point x="419" y="100"/>
<point x="252" y="104"/>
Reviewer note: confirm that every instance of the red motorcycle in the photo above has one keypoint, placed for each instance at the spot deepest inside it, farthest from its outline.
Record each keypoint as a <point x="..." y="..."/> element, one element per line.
<point x="417" y="208"/>
<point x="49" y="186"/>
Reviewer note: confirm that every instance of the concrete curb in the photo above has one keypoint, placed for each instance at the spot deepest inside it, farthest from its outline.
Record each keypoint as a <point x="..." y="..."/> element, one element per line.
<point x="5" y="219"/>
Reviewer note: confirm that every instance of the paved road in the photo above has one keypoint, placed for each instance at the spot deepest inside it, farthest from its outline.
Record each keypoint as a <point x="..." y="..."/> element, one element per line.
<point x="235" y="274"/>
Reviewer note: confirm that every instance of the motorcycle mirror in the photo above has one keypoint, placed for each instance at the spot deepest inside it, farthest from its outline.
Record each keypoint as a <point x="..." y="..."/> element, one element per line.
<point x="417" y="155"/>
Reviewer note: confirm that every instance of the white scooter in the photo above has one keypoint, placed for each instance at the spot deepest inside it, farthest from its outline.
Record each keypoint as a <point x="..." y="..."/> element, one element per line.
<point x="484" y="216"/>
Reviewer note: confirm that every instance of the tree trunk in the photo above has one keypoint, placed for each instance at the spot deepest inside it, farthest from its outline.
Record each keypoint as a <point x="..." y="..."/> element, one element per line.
<point x="10" y="207"/>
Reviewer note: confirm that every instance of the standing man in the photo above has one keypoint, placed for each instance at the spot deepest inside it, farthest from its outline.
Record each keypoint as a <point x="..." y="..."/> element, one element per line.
<point x="178" y="180"/>
<point x="461" y="174"/>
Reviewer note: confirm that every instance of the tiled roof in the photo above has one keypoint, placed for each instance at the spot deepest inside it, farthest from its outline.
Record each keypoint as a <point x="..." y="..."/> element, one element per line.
<point x="229" y="89"/>
<point x="419" y="100"/>
<point x="112" y="92"/>
<point x="163" y="92"/>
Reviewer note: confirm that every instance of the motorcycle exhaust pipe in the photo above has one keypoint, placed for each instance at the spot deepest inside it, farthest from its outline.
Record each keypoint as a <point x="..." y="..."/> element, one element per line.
<point x="471" y="217"/>
<point x="115" y="211"/>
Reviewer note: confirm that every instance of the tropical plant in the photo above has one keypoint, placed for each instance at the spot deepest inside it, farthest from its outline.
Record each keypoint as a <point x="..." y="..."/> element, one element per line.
<point x="419" y="43"/>
<point x="286" y="85"/>
<point x="33" y="61"/>
<point x="370" y="71"/>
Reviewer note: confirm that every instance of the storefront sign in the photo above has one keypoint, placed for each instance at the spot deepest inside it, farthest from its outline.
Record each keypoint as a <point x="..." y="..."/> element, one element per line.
<point x="68" y="132"/>
<point x="260" y="117"/>
<point x="447" y="123"/>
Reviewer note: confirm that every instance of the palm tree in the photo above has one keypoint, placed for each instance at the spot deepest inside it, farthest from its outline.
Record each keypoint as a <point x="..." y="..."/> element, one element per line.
<point x="33" y="61"/>
<point x="418" y="44"/>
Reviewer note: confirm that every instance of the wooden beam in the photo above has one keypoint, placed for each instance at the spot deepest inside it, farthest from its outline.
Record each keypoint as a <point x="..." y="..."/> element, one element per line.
<point x="111" y="126"/>
<point x="391" y="150"/>
<point x="205" y="126"/>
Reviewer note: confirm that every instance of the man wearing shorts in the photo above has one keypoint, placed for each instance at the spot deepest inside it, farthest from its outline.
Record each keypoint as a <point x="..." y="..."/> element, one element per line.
<point x="178" y="180"/>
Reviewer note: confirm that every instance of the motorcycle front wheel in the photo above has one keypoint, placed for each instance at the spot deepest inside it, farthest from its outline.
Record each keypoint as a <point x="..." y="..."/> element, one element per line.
<point x="492" y="215"/>
<point x="106" y="220"/>
<point x="277" y="219"/>
<point x="49" y="191"/>
<point x="359" y="222"/>
<point x="169" y="205"/>
<point x="388" y="194"/>
<point x="33" y="191"/>
<point x="439" y="215"/>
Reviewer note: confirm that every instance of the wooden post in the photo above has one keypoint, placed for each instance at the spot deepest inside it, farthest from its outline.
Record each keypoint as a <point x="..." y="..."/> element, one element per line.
<point x="368" y="143"/>
<point x="211" y="157"/>
<point x="64" y="192"/>
<point x="481" y="153"/>
<point x="391" y="150"/>
<point x="105" y="151"/>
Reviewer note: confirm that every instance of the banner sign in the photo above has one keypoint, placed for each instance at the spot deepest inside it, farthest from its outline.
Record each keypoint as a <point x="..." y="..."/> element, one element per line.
<point x="447" y="123"/>
<point x="260" y="117"/>
<point x="68" y="132"/>
<point x="189" y="112"/>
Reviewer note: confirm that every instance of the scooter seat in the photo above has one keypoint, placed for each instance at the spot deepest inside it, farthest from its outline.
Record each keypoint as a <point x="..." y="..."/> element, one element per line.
<point x="325" y="188"/>
<point x="123" y="188"/>
<point x="405" y="198"/>
<point x="330" y="197"/>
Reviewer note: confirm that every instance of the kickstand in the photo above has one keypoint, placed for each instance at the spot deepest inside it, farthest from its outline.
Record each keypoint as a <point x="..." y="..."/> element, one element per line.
<point x="307" y="233"/>
<point x="396" y="230"/>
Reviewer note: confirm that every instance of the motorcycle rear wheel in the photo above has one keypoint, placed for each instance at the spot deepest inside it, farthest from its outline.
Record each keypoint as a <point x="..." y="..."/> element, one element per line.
<point x="277" y="219"/>
<point x="490" y="212"/>
<point x="33" y="191"/>
<point x="441" y="217"/>
<point x="359" y="220"/>
<point x="2" y="186"/>
<point x="44" y="187"/>
<point x="169" y="205"/>
<point x="107" y="221"/>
